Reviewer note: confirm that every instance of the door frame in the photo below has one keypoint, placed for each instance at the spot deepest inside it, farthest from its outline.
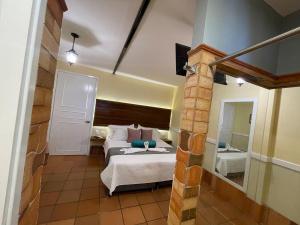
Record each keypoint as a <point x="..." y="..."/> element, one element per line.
<point x="53" y="100"/>
<point x="26" y="61"/>
<point x="250" y="142"/>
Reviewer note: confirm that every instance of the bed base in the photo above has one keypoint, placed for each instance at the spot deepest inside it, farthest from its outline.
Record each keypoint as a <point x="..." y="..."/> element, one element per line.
<point x="138" y="187"/>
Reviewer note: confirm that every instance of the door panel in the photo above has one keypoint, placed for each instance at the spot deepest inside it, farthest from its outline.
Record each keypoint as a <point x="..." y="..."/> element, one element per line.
<point x="72" y="114"/>
<point x="74" y="94"/>
<point x="70" y="139"/>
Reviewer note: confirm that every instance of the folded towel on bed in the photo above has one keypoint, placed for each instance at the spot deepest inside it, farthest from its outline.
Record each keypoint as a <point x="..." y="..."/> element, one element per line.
<point x="134" y="150"/>
<point x="158" y="150"/>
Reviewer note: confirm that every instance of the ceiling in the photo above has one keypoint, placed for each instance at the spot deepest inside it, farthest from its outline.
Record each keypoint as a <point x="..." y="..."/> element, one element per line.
<point x="103" y="26"/>
<point x="284" y="7"/>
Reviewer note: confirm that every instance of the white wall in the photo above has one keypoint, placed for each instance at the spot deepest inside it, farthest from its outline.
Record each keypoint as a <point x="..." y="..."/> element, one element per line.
<point x="125" y="89"/>
<point x="18" y="66"/>
<point x="176" y="114"/>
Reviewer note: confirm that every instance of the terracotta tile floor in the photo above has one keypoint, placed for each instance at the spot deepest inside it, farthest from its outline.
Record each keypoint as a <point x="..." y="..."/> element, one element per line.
<point x="72" y="194"/>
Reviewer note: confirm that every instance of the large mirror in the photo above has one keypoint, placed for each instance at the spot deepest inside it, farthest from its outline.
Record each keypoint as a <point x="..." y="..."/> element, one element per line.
<point x="234" y="140"/>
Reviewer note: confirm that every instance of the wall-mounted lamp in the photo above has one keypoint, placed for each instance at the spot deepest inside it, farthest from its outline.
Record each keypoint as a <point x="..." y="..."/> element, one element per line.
<point x="72" y="55"/>
<point x="240" y="81"/>
<point x="190" y="69"/>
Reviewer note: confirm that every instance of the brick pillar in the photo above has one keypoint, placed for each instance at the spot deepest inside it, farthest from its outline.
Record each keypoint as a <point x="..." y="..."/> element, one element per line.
<point x="194" y="127"/>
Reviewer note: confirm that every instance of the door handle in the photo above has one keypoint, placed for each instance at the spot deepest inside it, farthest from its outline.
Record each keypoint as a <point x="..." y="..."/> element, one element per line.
<point x="87" y="121"/>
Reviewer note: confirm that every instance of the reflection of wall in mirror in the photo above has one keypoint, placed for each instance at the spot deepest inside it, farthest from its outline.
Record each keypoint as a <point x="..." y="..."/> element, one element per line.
<point x="233" y="91"/>
<point x="235" y="128"/>
<point x="228" y="123"/>
<point x="241" y="119"/>
<point x="240" y="141"/>
<point x="241" y="125"/>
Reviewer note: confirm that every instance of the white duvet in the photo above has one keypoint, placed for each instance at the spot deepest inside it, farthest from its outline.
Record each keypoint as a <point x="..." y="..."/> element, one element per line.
<point x="231" y="162"/>
<point x="136" y="169"/>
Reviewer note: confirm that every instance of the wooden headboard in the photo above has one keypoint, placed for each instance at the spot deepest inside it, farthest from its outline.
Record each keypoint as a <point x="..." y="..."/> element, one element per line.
<point x="108" y="112"/>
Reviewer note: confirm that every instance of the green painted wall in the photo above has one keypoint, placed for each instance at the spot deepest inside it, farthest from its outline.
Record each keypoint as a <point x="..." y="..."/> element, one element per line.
<point x="289" y="50"/>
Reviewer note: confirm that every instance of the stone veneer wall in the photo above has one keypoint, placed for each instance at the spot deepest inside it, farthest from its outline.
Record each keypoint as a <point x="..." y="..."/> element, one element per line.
<point x="194" y="127"/>
<point x="41" y="110"/>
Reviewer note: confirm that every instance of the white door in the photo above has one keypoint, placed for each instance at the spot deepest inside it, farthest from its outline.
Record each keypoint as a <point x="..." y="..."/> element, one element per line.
<point x="72" y="116"/>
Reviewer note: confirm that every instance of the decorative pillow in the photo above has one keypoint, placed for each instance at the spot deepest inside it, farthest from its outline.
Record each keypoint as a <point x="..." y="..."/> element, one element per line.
<point x="156" y="135"/>
<point x="147" y="135"/>
<point x="133" y="134"/>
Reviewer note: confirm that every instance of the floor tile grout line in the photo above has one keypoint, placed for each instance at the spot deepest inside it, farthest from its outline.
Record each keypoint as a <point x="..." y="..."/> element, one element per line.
<point x="122" y="216"/>
<point x="56" y="203"/>
<point x="215" y="208"/>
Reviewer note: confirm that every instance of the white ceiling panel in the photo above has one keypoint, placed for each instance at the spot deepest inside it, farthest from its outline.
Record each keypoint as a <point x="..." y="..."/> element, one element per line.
<point x="103" y="26"/>
<point x="152" y="53"/>
<point x="284" y="7"/>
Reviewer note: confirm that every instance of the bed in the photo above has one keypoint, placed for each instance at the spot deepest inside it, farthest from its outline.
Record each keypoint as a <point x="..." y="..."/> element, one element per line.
<point x="136" y="170"/>
<point x="143" y="167"/>
<point x="231" y="162"/>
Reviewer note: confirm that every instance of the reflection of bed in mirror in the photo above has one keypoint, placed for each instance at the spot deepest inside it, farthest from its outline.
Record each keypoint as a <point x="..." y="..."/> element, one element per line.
<point x="234" y="140"/>
<point x="231" y="164"/>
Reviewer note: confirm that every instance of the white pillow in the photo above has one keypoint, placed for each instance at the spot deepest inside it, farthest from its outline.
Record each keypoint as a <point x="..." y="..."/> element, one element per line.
<point x="118" y="133"/>
<point x="156" y="135"/>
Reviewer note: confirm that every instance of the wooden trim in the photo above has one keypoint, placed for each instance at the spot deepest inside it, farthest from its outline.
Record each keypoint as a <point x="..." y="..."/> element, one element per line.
<point x="117" y="113"/>
<point x="63" y="5"/>
<point x="288" y="80"/>
<point x="222" y="54"/>
<point x="250" y="73"/>
<point x="288" y="75"/>
<point x="57" y="8"/>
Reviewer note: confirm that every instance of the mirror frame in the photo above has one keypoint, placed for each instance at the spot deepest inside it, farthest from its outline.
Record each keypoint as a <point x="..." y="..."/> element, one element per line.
<point x="250" y="143"/>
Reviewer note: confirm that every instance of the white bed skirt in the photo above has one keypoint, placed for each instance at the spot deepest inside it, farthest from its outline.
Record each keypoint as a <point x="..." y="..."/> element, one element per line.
<point x="138" y="169"/>
<point x="231" y="163"/>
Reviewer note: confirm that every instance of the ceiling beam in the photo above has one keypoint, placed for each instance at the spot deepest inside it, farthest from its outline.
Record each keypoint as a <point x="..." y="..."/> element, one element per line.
<point x="132" y="31"/>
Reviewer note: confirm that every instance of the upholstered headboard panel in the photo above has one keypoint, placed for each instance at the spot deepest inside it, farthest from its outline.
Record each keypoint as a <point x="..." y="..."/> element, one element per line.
<point x="108" y="112"/>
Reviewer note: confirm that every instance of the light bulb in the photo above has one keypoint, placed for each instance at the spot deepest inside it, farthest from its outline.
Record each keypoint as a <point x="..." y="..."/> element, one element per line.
<point x="71" y="56"/>
<point x="240" y="81"/>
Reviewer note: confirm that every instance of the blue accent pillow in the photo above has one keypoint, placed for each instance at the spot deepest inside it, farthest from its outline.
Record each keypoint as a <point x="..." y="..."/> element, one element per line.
<point x="137" y="144"/>
<point x="140" y="144"/>
<point x="222" y="145"/>
<point x="152" y="144"/>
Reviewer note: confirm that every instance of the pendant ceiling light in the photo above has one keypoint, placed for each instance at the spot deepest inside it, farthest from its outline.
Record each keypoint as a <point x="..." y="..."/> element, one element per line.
<point x="240" y="81"/>
<point x="72" y="54"/>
